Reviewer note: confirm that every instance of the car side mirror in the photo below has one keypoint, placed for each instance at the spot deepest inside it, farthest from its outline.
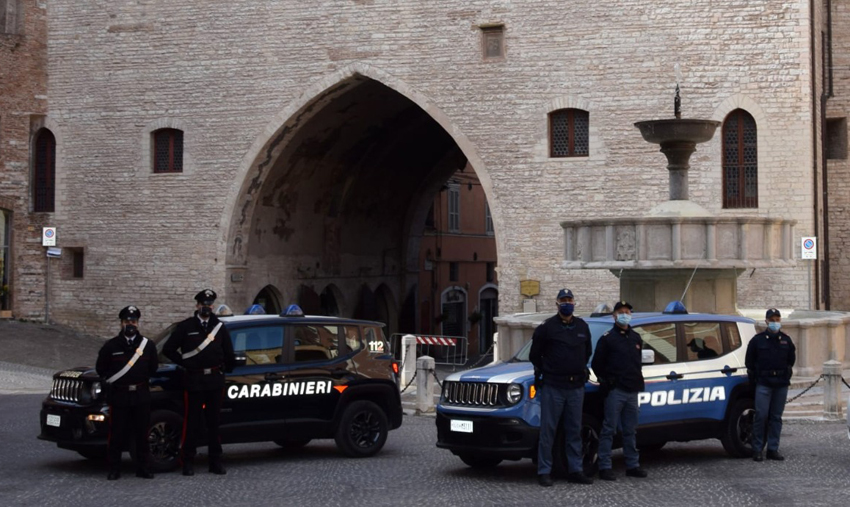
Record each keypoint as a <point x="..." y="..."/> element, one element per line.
<point x="647" y="356"/>
<point x="241" y="359"/>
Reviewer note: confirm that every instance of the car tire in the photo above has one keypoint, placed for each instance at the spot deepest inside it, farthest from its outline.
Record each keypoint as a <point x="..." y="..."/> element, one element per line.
<point x="94" y="454"/>
<point x="738" y="429"/>
<point x="164" y="435"/>
<point x="590" y="429"/>
<point x="292" y="445"/>
<point x="479" y="462"/>
<point x="362" y="429"/>
<point x="652" y="447"/>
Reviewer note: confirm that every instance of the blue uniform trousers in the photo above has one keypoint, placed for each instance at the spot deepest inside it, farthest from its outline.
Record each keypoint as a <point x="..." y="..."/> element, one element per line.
<point x="770" y="403"/>
<point x="621" y="408"/>
<point x="555" y="403"/>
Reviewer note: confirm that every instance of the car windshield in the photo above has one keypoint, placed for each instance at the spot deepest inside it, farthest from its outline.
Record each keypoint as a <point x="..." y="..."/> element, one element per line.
<point x="597" y="329"/>
<point x="162" y="337"/>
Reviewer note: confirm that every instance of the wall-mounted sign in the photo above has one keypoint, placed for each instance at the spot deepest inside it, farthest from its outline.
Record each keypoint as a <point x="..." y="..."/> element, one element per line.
<point x="529" y="288"/>
<point x="809" y="248"/>
<point x="48" y="236"/>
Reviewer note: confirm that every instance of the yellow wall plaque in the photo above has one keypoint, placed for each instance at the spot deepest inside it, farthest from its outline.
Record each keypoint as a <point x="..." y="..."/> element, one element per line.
<point x="529" y="288"/>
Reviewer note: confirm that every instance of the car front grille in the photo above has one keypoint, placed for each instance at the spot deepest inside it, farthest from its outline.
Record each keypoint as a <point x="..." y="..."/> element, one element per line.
<point x="65" y="389"/>
<point x="473" y="394"/>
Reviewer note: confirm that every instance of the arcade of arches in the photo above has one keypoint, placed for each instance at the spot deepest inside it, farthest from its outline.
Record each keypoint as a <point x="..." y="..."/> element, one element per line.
<point x="338" y="211"/>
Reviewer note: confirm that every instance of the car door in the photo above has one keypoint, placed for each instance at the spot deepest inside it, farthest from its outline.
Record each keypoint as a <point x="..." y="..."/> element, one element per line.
<point x="250" y="409"/>
<point x="664" y="376"/>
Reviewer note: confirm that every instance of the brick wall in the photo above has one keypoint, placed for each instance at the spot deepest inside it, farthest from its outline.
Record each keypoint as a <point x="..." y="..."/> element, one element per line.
<point x="227" y="70"/>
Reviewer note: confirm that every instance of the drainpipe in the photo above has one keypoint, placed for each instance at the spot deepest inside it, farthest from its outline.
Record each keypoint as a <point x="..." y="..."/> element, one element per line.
<point x="827" y="87"/>
<point x="813" y="73"/>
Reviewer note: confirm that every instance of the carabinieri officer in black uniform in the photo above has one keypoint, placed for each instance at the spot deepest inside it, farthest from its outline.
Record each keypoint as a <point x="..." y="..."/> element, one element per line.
<point x="126" y="363"/>
<point x="206" y="353"/>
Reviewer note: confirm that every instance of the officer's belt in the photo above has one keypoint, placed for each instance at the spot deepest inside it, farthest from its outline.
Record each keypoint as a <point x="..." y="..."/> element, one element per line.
<point x="129" y="387"/>
<point x="205" y="371"/>
<point x="774" y="373"/>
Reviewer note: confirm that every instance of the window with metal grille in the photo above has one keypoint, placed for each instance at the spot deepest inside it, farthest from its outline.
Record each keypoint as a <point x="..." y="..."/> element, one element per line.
<point x="10" y="16"/>
<point x="740" y="161"/>
<point x="454" y="208"/>
<point x="167" y="151"/>
<point x="488" y="220"/>
<point x="45" y="172"/>
<point x="568" y="133"/>
<point x="454" y="271"/>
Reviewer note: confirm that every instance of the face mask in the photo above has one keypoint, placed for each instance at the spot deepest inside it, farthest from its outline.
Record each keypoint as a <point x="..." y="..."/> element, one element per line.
<point x="774" y="326"/>
<point x="566" y="309"/>
<point x="130" y="330"/>
<point x="205" y="311"/>
<point x="623" y="319"/>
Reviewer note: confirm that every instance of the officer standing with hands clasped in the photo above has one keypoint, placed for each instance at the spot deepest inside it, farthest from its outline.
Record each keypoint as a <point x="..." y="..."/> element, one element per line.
<point x="770" y="357"/>
<point x="205" y="353"/>
<point x="617" y="365"/>
<point x="126" y="363"/>
<point x="560" y="349"/>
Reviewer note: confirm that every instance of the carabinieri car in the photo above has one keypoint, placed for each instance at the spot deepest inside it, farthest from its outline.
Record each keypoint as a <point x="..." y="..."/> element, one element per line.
<point x="696" y="388"/>
<point x="297" y="378"/>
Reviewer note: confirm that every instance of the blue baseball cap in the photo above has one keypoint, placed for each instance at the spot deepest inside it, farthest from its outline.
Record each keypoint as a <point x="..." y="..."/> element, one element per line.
<point x="565" y="293"/>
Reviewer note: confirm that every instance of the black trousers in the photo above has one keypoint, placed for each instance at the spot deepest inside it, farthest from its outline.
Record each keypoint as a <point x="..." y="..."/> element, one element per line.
<point x="201" y="406"/>
<point x="127" y="422"/>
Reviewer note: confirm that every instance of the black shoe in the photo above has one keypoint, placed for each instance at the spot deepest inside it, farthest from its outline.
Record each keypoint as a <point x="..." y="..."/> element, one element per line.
<point x="579" y="478"/>
<point x="545" y="480"/>
<point x="607" y="475"/>
<point x="775" y="456"/>
<point x="114" y="475"/>
<point x="216" y="468"/>
<point x="188" y="469"/>
<point x="144" y="474"/>
<point x="636" y="472"/>
<point x="757" y="456"/>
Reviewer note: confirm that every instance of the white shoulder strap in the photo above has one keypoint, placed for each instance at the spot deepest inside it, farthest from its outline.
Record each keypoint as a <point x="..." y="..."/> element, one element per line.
<point x="203" y="345"/>
<point x="136" y="355"/>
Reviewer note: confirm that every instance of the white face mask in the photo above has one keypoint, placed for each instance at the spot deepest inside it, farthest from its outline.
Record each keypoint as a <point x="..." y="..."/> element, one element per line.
<point x="623" y="319"/>
<point x="774" y="326"/>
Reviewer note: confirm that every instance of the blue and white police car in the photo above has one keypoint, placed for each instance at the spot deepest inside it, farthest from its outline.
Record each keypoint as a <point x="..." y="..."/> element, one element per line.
<point x="696" y="388"/>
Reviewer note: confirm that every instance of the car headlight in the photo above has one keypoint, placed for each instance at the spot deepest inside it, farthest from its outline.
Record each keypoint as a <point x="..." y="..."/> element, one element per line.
<point x="514" y="394"/>
<point x="95" y="390"/>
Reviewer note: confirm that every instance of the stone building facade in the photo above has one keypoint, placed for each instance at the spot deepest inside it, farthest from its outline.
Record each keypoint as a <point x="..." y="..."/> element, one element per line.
<point x="314" y="135"/>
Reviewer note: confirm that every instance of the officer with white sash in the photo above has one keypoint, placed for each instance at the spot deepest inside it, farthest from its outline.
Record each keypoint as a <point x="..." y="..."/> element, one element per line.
<point x="202" y="346"/>
<point x="126" y="363"/>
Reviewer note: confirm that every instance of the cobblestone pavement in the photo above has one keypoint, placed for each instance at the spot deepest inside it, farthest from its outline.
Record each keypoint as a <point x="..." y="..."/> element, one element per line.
<point x="412" y="471"/>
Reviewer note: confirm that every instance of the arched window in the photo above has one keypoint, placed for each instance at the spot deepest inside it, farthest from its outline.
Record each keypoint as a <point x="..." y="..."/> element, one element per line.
<point x="740" y="161"/>
<point x="167" y="151"/>
<point x="44" y="187"/>
<point x="568" y="133"/>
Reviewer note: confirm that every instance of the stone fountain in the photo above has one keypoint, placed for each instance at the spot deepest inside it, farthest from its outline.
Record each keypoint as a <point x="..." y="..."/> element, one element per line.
<point x="679" y="245"/>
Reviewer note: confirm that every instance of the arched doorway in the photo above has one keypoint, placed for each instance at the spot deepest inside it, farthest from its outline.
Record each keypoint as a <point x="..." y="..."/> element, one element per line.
<point x="329" y="301"/>
<point x="339" y="195"/>
<point x="269" y="299"/>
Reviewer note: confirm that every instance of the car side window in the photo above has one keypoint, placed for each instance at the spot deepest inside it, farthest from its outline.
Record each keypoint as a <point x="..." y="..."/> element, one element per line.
<point x="702" y="340"/>
<point x="314" y="343"/>
<point x="374" y="337"/>
<point x="733" y="336"/>
<point x="259" y="345"/>
<point x="660" y="338"/>
<point x="352" y="338"/>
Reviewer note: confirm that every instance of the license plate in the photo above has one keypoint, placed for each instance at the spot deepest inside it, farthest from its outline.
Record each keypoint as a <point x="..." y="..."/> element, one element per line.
<point x="461" y="426"/>
<point x="53" y="420"/>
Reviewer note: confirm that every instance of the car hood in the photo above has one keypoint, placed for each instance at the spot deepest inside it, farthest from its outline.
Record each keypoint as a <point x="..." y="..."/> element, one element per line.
<point x="498" y="373"/>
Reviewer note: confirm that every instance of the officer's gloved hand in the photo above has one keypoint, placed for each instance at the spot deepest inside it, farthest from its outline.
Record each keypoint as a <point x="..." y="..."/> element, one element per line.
<point x="751" y="376"/>
<point x="790" y="372"/>
<point x="604" y="386"/>
<point x="538" y="380"/>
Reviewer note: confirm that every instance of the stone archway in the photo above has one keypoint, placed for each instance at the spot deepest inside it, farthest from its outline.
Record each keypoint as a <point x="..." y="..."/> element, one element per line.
<point x="337" y="192"/>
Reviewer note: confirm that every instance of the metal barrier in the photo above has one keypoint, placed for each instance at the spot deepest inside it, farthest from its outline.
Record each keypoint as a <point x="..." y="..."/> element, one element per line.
<point x="448" y="350"/>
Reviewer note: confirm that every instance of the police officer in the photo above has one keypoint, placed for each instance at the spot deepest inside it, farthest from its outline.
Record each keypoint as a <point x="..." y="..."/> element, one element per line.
<point x="126" y="363"/>
<point x="560" y="349"/>
<point x="617" y="364"/>
<point x="205" y="353"/>
<point x="770" y="357"/>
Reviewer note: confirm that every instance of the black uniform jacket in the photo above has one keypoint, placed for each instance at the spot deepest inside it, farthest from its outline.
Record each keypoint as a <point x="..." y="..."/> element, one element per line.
<point x="770" y="358"/>
<point x="617" y="360"/>
<point x="132" y="388"/>
<point x="560" y="351"/>
<point x="204" y="370"/>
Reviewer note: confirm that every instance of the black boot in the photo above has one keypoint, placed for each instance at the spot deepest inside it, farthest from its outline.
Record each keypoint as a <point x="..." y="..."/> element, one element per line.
<point x="114" y="475"/>
<point x="217" y="468"/>
<point x="188" y="468"/>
